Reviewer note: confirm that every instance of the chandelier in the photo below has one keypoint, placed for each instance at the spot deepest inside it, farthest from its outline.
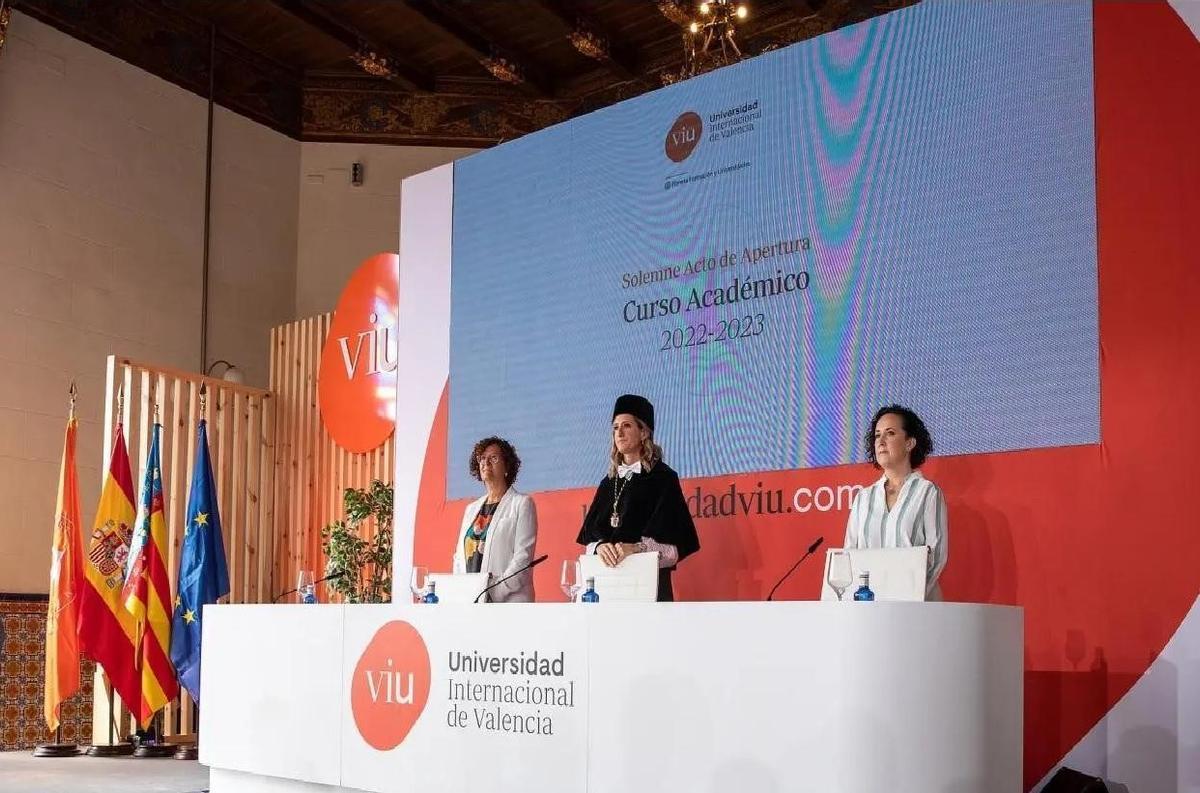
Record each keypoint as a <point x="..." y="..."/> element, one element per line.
<point x="589" y="43"/>
<point x="371" y="63"/>
<point x="503" y="69"/>
<point x="675" y="11"/>
<point x="709" y="40"/>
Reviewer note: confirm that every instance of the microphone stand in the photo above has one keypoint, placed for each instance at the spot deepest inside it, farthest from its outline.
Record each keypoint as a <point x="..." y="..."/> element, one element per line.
<point x="297" y="589"/>
<point x="811" y="550"/>
<point x="529" y="566"/>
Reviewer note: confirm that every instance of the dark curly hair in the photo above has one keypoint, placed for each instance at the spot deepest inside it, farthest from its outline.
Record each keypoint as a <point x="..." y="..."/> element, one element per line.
<point x="512" y="463"/>
<point x="913" y="428"/>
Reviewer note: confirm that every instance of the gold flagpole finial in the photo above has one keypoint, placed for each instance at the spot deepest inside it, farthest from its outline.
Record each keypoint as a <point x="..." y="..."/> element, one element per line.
<point x="121" y="403"/>
<point x="74" y="392"/>
<point x="157" y="413"/>
<point x="203" y="399"/>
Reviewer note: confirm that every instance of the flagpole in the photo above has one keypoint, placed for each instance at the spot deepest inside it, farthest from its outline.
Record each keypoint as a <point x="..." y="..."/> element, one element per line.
<point x="149" y="739"/>
<point x="155" y="748"/>
<point x="190" y="751"/>
<point x="112" y="749"/>
<point x="58" y="748"/>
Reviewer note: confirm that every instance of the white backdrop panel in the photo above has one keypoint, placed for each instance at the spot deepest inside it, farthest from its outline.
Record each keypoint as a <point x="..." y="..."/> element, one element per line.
<point x="269" y="703"/>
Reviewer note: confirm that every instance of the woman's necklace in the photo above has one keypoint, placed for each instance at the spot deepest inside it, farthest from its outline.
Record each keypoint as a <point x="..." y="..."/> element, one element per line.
<point x="618" y="489"/>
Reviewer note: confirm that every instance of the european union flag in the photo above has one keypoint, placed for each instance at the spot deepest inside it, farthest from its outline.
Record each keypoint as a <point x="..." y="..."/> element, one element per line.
<point x="203" y="575"/>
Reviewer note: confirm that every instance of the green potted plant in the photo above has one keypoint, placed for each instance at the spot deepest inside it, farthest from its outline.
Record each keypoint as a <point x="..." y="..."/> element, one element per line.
<point x="364" y="566"/>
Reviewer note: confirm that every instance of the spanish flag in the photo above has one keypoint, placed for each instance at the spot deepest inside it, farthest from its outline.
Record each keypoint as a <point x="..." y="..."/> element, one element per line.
<point x="66" y="578"/>
<point x="107" y="631"/>
<point x="147" y="593"/>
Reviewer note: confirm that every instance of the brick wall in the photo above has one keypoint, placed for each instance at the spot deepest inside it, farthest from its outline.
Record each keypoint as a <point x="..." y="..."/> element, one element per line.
<point x="101" y="236"/>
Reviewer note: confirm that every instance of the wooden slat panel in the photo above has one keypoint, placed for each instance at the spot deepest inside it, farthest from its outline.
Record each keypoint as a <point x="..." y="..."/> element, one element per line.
<point x="308" y="375"/>
<point x="311" y="471"/>
<point x="224" y="475"/>
<point x="187" y="713"/>
<point x="236" y="531"/>
<point x="312" y="430"/>
<point x="253" y="496"/>
<point x="168" y="389"/>
<point x="241" y="443"/>
<point x="286" y="478"/>
<point x="268" y="584"/>
<point x="269" y="456"/>
<point x="127" y="400"/>
<point x="278" y="501"/>
<point x="299" y="493"/>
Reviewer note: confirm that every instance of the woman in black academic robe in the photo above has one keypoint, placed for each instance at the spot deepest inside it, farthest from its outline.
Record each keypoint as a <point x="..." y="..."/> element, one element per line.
<point x="639" y="506"/>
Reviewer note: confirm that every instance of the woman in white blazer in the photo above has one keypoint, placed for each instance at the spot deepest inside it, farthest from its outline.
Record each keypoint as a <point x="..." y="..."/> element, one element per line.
<point x="499" y="529"/>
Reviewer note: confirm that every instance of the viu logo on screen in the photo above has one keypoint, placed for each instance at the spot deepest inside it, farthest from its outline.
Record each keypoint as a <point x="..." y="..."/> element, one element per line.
<point x="684" y="136"/>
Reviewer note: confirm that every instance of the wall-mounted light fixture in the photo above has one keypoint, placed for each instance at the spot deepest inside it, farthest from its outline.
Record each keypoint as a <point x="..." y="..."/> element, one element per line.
<point x="232" y="374"/>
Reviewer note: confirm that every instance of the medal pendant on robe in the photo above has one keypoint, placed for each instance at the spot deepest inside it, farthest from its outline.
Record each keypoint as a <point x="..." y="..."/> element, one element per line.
<point x="615" y="520"/>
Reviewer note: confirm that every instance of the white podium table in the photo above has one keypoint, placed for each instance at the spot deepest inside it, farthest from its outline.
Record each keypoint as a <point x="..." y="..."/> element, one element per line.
<point x="797" y="696"/>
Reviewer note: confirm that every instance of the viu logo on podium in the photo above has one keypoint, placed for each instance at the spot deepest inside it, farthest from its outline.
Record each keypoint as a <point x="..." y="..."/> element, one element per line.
<point x="390" y="687"/>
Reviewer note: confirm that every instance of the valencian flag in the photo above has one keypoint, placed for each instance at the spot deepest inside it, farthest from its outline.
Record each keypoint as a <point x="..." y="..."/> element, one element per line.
<point x="147" y="593"/>
<point x="203" y="576"/>
<point x="107" y="631"/>
<point x="66" y="578"/>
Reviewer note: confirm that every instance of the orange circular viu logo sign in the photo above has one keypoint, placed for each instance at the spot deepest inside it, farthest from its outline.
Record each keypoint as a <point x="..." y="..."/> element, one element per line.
<point x="683" y="137"/>
<point x="356" y="385"/>
<point x="390" y="685"/>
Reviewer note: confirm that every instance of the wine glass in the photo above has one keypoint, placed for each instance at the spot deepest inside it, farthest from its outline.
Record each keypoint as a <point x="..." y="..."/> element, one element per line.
<point x="419" y="583"/>
<point x="570" y="578"/>
<point x="305" y="587"/>
<point x="841" y="574"/>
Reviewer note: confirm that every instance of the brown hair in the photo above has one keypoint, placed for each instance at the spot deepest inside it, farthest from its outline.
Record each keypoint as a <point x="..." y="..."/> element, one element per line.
<point x="913" y="428"/>
<point x="512" y="463"/>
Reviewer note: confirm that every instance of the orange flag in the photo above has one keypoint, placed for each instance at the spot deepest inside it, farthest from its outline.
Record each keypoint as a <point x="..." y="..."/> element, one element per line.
<point x="66" y="574"/>
<point x="107" y="631"/>
<point x="147" y="592"/>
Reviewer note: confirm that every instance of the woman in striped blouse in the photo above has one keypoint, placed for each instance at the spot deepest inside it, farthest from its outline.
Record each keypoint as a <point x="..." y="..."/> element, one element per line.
<point x="902" y="509"/>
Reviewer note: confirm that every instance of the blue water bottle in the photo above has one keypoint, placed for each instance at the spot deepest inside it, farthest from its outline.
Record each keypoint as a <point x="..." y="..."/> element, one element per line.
<point x="590" y="595"/>
<point x="431" y="595"/>
<point x="864" y="588"/>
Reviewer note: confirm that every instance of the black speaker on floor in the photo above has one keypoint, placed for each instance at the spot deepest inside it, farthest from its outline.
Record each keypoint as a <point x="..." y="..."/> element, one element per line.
<point x="1068" y="780"/>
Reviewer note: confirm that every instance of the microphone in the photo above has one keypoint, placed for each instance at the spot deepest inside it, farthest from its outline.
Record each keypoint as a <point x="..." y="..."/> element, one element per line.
<point x="529" y="566"/>
<point x="329" y="577"/>
<point x="811" y="550"/>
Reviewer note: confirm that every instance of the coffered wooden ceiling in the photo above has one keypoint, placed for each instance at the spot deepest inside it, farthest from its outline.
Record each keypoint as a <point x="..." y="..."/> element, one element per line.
<point x="289" y="64"/>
